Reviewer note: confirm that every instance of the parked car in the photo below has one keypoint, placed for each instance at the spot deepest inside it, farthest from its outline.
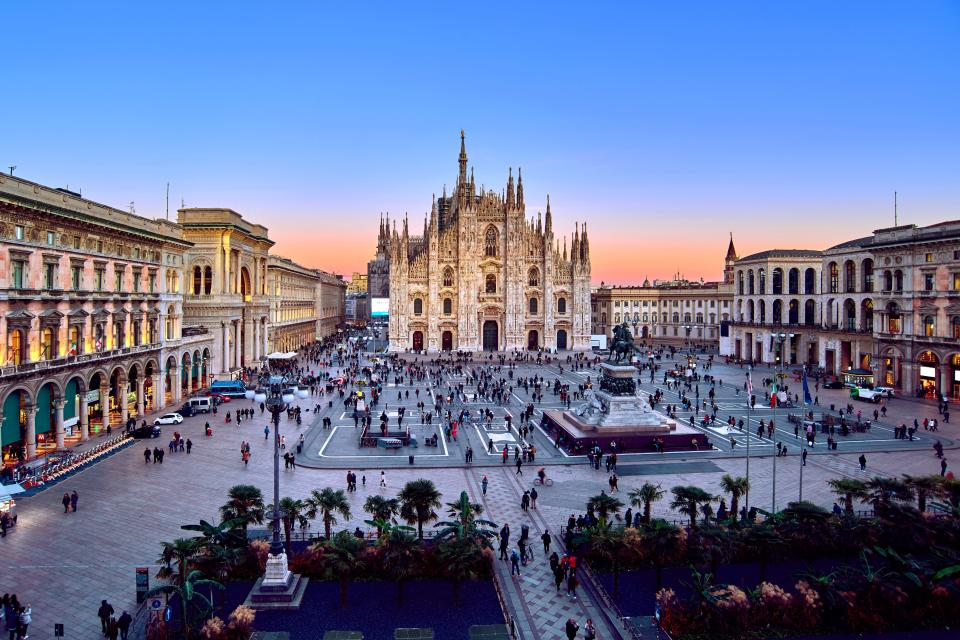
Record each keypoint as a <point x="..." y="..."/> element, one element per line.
<point x="147" y="431"/>
<point x="833" y="384"/>
<point x="187" y="411"/>
<point x="886" y="392"/>
<point x="169" y="418"/>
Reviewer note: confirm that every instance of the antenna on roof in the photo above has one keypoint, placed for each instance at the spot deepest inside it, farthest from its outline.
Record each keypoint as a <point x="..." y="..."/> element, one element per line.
<point x="12" y="167"/>
<point x="895" y="208"/>
<point x="168" y="201"/>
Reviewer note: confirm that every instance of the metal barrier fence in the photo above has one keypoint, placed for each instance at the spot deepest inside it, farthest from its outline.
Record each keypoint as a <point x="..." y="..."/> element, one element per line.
<point x="511" y="624"/>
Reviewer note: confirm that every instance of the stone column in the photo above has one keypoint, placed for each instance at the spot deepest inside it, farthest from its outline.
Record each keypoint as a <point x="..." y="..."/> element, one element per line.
<point x="124" y="405"/>
<point x="178" y="383"/>
<point x="84" y="426"/>
<point x="140" y="398"/>
<point x="945" y="371"/>
<point x="31" y="438"/>
<point x="105" y="406"/>
<point x="158" y="399"/>
<point x="248" y="348"/>
<point x="58" y="422"/>
<point x="256" y="340"/>
<point x="225" y="348"/>
<point x="263" y="336"/>
<point x="237" y="343"/>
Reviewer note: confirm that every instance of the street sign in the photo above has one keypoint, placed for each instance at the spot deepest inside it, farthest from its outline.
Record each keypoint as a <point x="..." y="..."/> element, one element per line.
<point x="156" y="604"/>
<point x="58" y="630"/>
<point x="143" y="583"/>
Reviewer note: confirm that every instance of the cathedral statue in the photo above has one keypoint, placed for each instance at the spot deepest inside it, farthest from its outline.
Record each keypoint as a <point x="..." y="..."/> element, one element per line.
<point x="623" y="345"/>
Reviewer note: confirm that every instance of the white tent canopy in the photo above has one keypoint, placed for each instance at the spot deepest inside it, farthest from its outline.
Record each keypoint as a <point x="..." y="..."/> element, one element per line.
<point x="276" y="355"/>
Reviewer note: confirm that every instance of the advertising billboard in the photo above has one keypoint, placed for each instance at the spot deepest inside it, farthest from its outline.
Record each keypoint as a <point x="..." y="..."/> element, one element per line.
<point x="379" y="307"/>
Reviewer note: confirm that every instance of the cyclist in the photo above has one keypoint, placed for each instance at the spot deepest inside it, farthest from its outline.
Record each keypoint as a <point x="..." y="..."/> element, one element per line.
<point x="542" y="474"/>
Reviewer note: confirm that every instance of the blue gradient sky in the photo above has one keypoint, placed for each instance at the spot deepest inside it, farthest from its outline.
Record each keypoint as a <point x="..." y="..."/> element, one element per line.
<point x="789" y="124"/>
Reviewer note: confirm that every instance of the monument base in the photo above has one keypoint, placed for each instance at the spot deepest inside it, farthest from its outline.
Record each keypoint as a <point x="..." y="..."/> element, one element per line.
<point x="278" y="589"/>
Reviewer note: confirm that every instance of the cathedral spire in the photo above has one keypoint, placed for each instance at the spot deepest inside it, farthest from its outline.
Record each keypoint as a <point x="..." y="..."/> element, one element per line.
<point x="575" y="244"/>
<point x="584" y="244"/>
<point x="549" y="222"/>
<point x="519" y="188"/>
<point x="463" y="160"/>
<point x="731" y="251"/>
<point x="510" y="197"/>
<point x="564" y="248"/>
<point x="473" y="186"/>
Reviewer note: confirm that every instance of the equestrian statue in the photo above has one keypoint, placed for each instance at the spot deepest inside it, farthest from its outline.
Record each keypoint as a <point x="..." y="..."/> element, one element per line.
<point x="622" y="346"/>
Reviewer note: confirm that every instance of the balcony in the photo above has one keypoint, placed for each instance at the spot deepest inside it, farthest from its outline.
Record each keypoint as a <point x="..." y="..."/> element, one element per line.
<point x="60" y="364"/>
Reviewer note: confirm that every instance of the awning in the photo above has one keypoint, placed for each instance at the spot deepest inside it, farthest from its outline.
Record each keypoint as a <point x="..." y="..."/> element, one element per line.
<point x="276" y="355"/>
<point x="8" y="490"/>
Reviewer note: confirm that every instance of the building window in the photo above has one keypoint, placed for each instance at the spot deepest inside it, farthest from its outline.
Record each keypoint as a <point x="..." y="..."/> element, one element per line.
<point x="76" y="345"/>
<point x="740" y="282"/>
<point x="197" y="280"/>
<point x="777" y="282"/>
<point x="76" y="277"/>
<point x="137" y="275"/>
<point x="893" y="318"/>
<point x="137" y="327"/>
<point x="99" y="246"/>
<point x="448" y="277"/>
<point x="928" y="257"/>
<point x="50" y="275"/>
<point x="955" y="323"/>
<point x="447" y="306"/>
<point x="763" y="282"/>
<point x="418" y="307"/>
<point x="18" y="270"/>
<point x="98" y="278"/>
<point x="562" y="305"/>
<point x="898" y="280"/>
<point x="48" y="344"/>
<point x="834" y="277"/>
<point x="18" y="232"/>
<point x="533" y="278"/>
<point x="153" y="282"/>
<point x="207" y="280"/>
<point x="51" y="238"/>
<point x="928" y="281"/>
<point x="491" y="241"/>
<point x="16" y="347"/>
<point x="76" y="242"/>
<point x="491" y="284"/>
<point x="118" y="280"/>
<point x="928" y="326"/>
<point x="533" y="305"/>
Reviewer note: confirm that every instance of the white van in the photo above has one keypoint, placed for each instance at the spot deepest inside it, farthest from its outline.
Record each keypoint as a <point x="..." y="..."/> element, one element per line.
<point x="201" y="405"/>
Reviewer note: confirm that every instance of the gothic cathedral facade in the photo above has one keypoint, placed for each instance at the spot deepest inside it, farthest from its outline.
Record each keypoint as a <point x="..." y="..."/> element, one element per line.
<point x="484" y="277"/>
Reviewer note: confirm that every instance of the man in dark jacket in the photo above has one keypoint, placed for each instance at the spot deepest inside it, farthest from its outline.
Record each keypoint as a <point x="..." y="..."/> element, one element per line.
<point x="104" y="613"/>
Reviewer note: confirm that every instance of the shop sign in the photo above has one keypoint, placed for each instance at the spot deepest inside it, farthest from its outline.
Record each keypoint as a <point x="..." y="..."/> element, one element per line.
<point x="143" y="583"/>
<point x="93" y="395"/>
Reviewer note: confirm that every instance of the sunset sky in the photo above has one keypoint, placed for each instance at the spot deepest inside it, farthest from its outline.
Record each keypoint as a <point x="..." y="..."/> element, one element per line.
<point x="790" y="124"/>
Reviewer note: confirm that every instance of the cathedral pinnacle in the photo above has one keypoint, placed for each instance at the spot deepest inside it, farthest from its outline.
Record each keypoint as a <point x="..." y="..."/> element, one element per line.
<point x="510" y="197"/>
<point x="519" y="188"/>
<point x="549" y="222"/>
<point x="463" y="161"/>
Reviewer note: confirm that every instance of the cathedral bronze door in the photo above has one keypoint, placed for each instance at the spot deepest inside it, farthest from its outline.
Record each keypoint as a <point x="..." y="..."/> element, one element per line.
<point x="533" y="341"/>
<point x="418" y="340"/>
<point x="491" y="337"/>
<point x="446" y="340"/>
<point x="561" y="339"/>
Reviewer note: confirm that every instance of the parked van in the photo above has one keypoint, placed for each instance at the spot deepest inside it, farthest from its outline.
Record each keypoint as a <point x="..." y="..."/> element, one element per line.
<point x="201" y="405"/>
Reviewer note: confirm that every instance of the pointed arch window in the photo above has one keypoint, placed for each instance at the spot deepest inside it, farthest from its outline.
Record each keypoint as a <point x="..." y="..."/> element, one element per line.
<point x="491" y="284"/>
<point x="448" y="277"/>
<point x="491" y="242"/>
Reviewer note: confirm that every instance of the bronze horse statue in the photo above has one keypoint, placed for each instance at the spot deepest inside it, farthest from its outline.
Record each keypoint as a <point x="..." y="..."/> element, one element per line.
<point x="622" y="346"/>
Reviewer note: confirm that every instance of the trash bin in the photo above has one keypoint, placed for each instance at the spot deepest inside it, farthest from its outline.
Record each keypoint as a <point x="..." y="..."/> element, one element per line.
<point x="411" y="459"/>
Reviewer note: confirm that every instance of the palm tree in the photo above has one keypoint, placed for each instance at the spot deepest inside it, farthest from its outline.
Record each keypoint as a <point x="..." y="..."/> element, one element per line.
<point x="246" y="502"/>
<point x="342" y="557"/>
<point x="176" y="557"/>
<point x="881" y="491"/>
<point x="645" y="496"/>
<point x="418" y="499"/>
<point x="382" y="510"/>
<point x="924" y="487"/>
<point x="736" y="487"/>
<point x="292" y="511"/>
<point x="327" y="503"/>
<point x="461" y="558"/>
<point x="848" y="489"/>
<point x="604" y="505"/>
<point x="661" y="541"/>
<point x="613" y="549"/>
<point x="467" y="525"/>
<point x="188" y="591"/>
<point x="400" y="556"/>
<point x="220" y="546"/>
<point x="687" y="500"/>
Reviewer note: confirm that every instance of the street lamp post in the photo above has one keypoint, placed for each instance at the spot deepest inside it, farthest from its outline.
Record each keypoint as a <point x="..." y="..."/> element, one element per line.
<point x="687" y="328"/>
<point x="781" y="338"/>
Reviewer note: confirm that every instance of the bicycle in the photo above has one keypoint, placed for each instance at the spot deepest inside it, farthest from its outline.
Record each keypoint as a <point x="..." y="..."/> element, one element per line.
<point x="545" y="481"/>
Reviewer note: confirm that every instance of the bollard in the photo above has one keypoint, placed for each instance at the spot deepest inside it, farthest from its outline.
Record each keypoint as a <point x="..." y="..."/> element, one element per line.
<point x="411" y="459"/>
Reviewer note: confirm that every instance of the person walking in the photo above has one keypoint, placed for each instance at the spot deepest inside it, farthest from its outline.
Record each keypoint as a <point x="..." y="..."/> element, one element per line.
<point x="863" y="462"/>
<point x="943" y="466"/>
<point x="483" y="484"/>
<point x="66" y="502"/>
<point x="803" y="456"/>
<point x="533" y="498"/>
<point x="572" y="584"/>
<point x="589" y="631"/>
<point x="558" y="577"/>
<point x="383" y="480"/>
<point x="123" y="624"/>
<point x="519" y="467"/>
<point x="104" y="613"/>
<point x="26" y="617"/>
<point x="571" y="629"/>
<point x="266" y="432"/>
<point x="546" y="539"/>
<point x="514" y="562"/>
<point x="147" y="454"/>
<point x="74" y="498"/>
<point x="189" y="445"/>
<point x="525" y="501"/>
<point x="245" y="456"/>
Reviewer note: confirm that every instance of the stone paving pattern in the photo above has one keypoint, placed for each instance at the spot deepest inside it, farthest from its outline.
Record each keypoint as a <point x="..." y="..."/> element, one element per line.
<point x="63" y="564"/>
